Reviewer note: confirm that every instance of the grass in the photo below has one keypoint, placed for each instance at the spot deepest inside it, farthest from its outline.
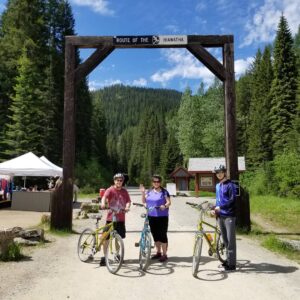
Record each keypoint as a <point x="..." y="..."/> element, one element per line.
<point x="281" y="213"/>
<point x="13" y="253"/>
<point x="91" y="196"/>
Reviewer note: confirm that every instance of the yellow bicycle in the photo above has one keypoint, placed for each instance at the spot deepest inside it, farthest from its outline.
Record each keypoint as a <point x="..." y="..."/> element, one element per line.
<point x="213" y="237"/>
<point x="91" y="241"/>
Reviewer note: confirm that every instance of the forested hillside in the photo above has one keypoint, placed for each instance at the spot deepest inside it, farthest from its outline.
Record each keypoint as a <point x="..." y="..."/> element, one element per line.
<point x="137" y="135"/>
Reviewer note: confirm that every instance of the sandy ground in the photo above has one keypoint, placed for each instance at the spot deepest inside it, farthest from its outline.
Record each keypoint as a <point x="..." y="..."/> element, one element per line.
<point x="53" y="271"/>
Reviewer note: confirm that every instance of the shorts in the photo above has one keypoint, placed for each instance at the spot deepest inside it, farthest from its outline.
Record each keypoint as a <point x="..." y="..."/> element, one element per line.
<point x="159" y="228"/>
<point x="120" y="228"/>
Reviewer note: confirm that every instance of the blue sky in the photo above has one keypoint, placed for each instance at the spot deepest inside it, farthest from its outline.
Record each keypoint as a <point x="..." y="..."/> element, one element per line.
<point x="253" y="24"/>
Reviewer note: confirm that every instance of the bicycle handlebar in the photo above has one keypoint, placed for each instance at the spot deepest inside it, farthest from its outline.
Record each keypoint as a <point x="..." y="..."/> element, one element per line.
<point x="142" y="205"/>
<point x="138" y="204"/>
<point x="200" y="206"/>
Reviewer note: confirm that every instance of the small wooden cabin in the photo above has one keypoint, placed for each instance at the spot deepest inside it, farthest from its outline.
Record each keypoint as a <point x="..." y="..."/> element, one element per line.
<point x="202" y="169"/>
<point x="181" y="177"/>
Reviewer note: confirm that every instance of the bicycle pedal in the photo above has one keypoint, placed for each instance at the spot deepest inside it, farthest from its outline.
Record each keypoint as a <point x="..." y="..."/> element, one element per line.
<point x="136" y="244"/>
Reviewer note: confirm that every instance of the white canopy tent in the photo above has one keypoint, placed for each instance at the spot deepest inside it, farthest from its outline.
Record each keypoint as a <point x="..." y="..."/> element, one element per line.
<point x="55" y="167"/>
<point x="29" y="165"/>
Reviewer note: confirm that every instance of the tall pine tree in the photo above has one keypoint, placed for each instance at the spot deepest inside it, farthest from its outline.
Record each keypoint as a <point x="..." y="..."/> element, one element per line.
<point x="259" y="147"/>
<point x="283" y="91"/>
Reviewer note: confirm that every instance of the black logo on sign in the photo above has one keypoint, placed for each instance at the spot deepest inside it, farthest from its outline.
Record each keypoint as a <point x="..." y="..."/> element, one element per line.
<point x="155" y="39"/>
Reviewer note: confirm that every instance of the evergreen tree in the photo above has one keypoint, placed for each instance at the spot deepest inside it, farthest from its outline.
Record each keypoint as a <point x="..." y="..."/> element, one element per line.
<point x="283" y="91"/>
<point x="25" y="133"/>
<point x="170" y="157"/>
<point x="243" y="100"/>
<point x="294" y="138"/>
<point x="60" y="22"/>
<point x="98" y="132"/>
<point x="22" y="22"/>
<point x="259" y="147"/>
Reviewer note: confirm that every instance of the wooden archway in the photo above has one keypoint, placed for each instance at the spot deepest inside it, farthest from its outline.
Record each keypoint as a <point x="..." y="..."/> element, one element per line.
<point x="62" y="208"/>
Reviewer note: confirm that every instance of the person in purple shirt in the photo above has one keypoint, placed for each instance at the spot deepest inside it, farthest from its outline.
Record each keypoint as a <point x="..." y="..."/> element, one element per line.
<point x="158" y="217"/>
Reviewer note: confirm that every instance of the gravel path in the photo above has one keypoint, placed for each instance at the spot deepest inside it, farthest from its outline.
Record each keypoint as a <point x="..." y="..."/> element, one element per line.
<point x="53" y="271"/>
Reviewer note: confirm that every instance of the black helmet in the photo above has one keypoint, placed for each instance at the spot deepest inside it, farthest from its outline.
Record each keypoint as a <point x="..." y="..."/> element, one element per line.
<point x="220" y="168"/>
<point x="119" y="175"/>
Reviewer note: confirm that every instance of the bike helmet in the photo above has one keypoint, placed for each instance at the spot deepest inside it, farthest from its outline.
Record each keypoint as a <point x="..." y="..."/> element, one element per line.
<point x="156" y="176"/>
<point x="118" y="175"/>
<point x="220" y="168"/>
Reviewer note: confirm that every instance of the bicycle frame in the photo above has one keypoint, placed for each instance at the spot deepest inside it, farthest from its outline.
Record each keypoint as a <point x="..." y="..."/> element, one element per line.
<point x="201" y="231"/>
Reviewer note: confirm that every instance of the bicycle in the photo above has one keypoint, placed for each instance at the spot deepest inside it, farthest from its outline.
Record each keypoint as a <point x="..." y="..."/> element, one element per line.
<point x="215" y="241"/>
<point x="91" y="241"/>
<point x="145" y="242"/>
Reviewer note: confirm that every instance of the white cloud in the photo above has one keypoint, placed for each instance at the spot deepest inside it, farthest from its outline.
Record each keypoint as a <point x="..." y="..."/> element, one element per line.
<point x="95" y="85"/>
<point x="99" y="6"/>
<point x="185" y="66"/>
<point x="241" y="65"/>
<point x="263" y="25"/>
<point x="139" y="82"/>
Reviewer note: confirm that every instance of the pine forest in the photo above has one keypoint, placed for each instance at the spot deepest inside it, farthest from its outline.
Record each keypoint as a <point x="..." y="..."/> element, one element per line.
<point x="142" y="131"/>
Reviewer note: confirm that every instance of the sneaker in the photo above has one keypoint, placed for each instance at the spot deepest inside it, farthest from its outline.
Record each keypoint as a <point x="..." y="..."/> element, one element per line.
<point x="156" y="256"/>
<point x="163" y="258"/>
<point x="102" y="262"/>
<point x="225" y="263"/>
<point x="229" y="268"/>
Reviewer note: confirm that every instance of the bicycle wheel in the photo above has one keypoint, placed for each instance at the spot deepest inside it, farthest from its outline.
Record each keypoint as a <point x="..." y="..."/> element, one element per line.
<point x="197" y="254"/>
<point x="115" y="253"/>
<point x="145" y="251"/>
<point x="221" y="249"/>
<point x="86" y="245"/>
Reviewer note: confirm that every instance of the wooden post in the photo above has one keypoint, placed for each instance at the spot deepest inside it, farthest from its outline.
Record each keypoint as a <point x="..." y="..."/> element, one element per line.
<point x="61" y="212"/>
<point x="243" y="211"/>
<point x="230" y="126"/>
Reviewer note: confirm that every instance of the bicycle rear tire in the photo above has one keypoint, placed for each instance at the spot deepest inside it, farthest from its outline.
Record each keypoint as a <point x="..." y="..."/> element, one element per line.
<point x="221" y="249"/>
<point x="115" y="253"/>
<point x="197" y="254"/>
<point x="86" y="245"/>
<point x="145" y="251"/>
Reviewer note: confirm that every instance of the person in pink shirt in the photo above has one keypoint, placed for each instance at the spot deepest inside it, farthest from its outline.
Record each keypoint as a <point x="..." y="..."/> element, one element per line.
<point x="117" y="198"/>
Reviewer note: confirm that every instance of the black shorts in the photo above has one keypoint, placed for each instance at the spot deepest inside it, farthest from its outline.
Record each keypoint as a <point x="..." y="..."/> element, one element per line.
<point x="120" y="228"/>
<point x="159" y="228"/>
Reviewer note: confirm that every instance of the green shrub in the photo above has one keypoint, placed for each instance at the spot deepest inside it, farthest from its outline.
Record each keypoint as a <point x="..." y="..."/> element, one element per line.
<point x="286" y="167"/>
<point x="13" y="253"/>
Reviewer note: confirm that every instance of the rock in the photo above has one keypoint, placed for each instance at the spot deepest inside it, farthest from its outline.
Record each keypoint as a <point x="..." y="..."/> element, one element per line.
<point x="25" y="242"/>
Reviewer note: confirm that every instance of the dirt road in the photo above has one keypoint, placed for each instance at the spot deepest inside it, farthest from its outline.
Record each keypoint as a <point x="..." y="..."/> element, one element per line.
<point x="55" y="272"/>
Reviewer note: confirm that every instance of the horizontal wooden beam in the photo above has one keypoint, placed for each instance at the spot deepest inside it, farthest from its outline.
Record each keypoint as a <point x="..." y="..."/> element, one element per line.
<point x="97" y="41"/>
<point x="208" y="60"/>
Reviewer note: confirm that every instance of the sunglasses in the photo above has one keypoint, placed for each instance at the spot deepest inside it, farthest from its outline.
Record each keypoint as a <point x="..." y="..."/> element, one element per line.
<point x="119" y="180"/>
<point x="156" y="181"/>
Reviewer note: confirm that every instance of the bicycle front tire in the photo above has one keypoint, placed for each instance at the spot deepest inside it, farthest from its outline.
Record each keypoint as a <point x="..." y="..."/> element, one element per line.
<point x="197" y="254"/>
<point x="221" y="249"/>
<point x="115" y="253"/>
<point x="86" y="245"/>
<point x="145" y="251"/>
